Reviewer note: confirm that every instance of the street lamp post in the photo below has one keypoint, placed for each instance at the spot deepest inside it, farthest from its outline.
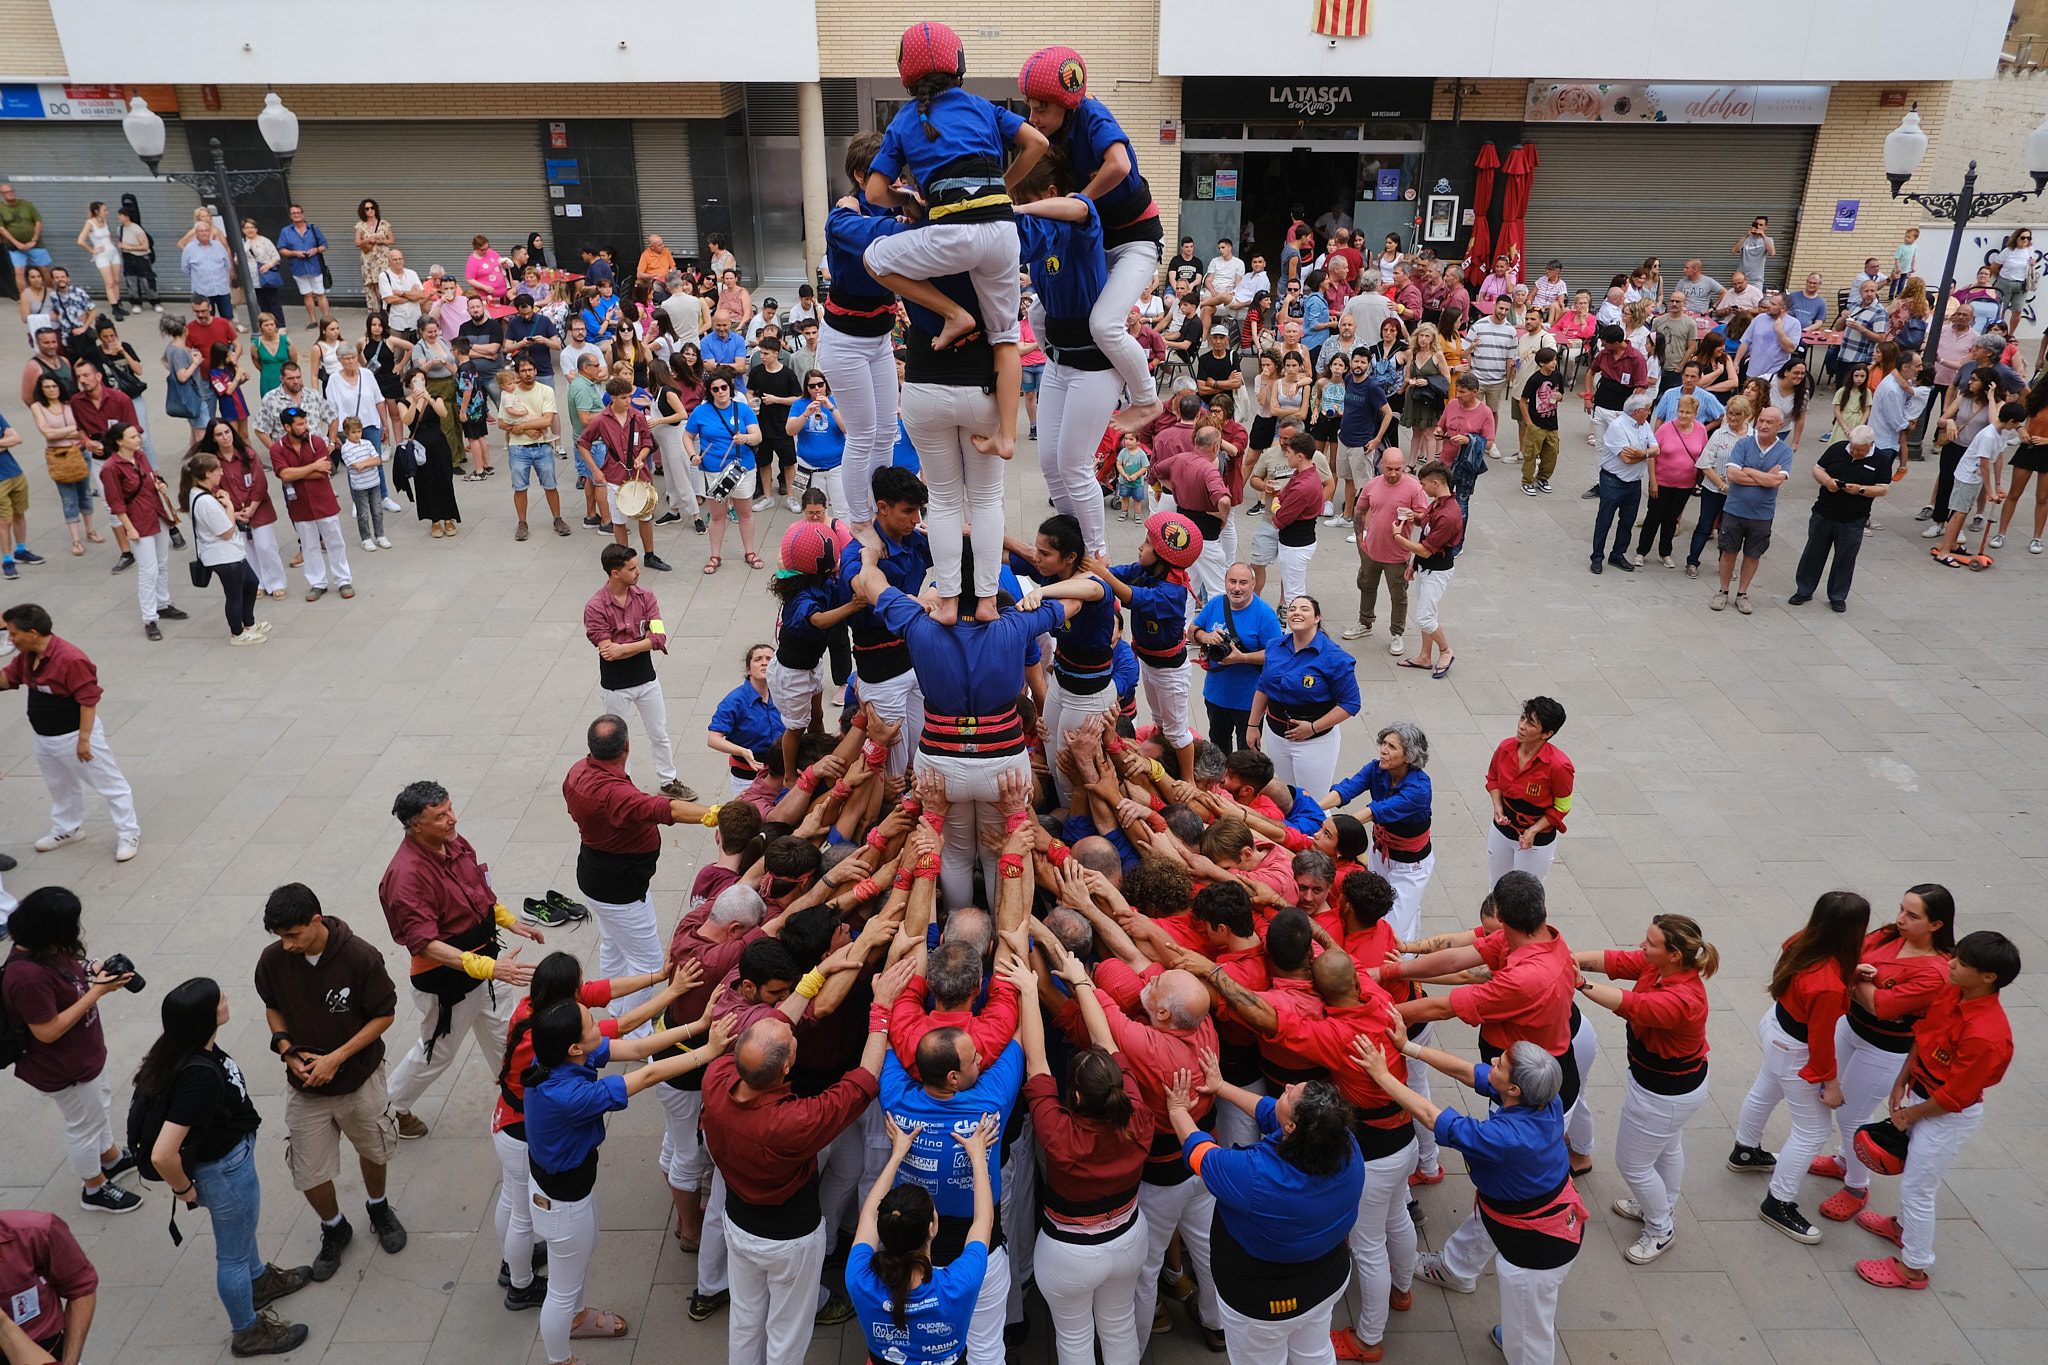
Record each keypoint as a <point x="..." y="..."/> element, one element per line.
<point x="1903" y="149"/>
<point x="280" y="128"/>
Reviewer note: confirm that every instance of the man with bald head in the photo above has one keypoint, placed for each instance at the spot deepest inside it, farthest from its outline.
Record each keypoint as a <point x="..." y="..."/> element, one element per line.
<point x="765" y="1142"/>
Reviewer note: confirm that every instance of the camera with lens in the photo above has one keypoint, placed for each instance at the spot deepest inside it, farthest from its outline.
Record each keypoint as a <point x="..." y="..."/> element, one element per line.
<point x="1222" y="649"/>
<point x="118" y="964"/>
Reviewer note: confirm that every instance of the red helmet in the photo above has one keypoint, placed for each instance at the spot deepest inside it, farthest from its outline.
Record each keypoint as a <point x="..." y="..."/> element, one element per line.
<point x="1056" y="75"/>
<point x="927" y="48"/>
<point x="1174" y="538"/>
<point x="807" y="548"/>
<point x="1882" y="1147"/>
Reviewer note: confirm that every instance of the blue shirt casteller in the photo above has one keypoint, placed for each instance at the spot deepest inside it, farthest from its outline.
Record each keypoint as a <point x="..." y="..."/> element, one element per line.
<point x="1090" y="131"/>
<point x="748" y="719"/>
<point x="1514" y="1152"/>
<point x="565" y="1113"/>
<point x="1068" y="268"/>
<point x="1274" y="1210"/>
<point x="936" y="1318"/>
<point x="1303" y="684"/>
<point x="937" y="1162"/>
<point x="972" y="669"/>
<point x="1391" y="805"/>
<point x="1159" y="614"/>
<point x="970" y="129"/>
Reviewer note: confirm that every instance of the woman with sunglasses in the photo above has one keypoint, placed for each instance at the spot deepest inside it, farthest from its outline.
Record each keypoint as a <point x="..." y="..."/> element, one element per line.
<point x="820" y="443"/>
<point x="374" y="238"/>
<point x="720" y="436"/>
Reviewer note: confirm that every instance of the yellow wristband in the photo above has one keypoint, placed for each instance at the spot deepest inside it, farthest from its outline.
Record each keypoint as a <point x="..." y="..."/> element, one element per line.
<point x="502" y="915"/>
<point x="1158" y="771"/>
<point x="813" y="982"/>
<point x="478" y="966"/>
<point x="709" y="819"/>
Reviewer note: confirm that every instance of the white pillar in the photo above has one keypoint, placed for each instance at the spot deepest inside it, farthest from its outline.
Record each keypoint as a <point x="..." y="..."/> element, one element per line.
<point x="810" y="127"/>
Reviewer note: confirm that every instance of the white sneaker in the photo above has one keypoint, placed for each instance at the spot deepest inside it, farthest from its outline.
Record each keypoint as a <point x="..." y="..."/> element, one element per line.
<point x="1356" y="632"/>
<point x="1395" y="647"/>
<point x="369" y="545"/>
<point x="1429" y="1268"/>
<point x="383" y="542"/>
<point x="245" y="639"/>
<point x="764" y="502"/>
<point x="1977" y="522"/>
<point x="126" y="849"/>
<point x="1335" y="521"/>
<point x="792" y="504"/>
<point x="1998" y="540"/>
<point x="1933" y="531"/>
<point x="55" y="839"/>
<point x="1629" y="1208"/>
<point x="1648" y="1247"/>
<point x="2034" y="546"/>
<point x="1329" y="509"/>
<point x="392" y="504"/>
<point x="260" y="628"/>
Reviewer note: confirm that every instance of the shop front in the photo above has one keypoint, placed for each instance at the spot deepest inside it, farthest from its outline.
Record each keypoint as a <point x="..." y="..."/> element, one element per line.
<point x="1256" y="154"/>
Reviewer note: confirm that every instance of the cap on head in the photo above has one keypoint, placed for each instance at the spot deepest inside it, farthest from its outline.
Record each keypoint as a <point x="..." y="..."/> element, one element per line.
<point x="807" y="548"/>
<point x="1174" y="538"/>
<point x="1056" y="75"/>
<point x="927" y="48"/>
<point x="1219" y="330"/>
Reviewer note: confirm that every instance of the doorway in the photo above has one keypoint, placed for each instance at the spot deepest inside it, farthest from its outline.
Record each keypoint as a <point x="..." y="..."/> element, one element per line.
<point x="1279" y="186"/>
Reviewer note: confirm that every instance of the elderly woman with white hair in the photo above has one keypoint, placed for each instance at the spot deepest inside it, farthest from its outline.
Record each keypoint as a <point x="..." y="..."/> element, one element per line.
<point x="1399" y="812"/>
<point x="1527" y="1212"/>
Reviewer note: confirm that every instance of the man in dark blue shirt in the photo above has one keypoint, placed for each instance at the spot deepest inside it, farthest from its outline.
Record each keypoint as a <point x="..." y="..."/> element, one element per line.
<point x="1362" y="431"/>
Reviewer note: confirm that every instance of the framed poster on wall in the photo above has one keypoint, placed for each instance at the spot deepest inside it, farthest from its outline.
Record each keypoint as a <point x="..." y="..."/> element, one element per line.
<point x="1440" y="218"/>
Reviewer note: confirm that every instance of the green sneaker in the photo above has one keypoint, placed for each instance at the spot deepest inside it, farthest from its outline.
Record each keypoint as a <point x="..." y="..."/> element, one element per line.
<point x="838" y="1308"/>
<point x="702" y="1306"/>
<point x="563" y="906"/>
<point x="542" y="913"/>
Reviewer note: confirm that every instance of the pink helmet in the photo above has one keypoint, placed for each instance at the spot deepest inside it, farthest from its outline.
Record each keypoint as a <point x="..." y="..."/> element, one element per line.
<point x="1056" y="75"/>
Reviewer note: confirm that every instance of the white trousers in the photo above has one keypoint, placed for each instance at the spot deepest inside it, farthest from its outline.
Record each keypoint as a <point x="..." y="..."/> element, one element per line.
<point x="1186" y="1208"/>
<point x="713" y="1266"/>
<point x="88" y="1129"/>
<point x="628" y="944"/>
<point x="1310" y="764"/>
<point x="152" y="573"/>
<point x="67" y="778"/>
<point x="485" y="1012"/>
<point x="966" y="485"/>
<point x="1294" y="570"/>
<point x="1092" y="1291"/>
<point x="263" y="553"/>
<point x="653" y="709"/>
<point x="1166" y="697"/>
<point x="1132" y="266"/>
<point x="1778" y="1080"/>
<point x="832" y="481"/>
<point x="1866" y="1073"/>
<point x="1649" y="1150"/>
<point x="1409" y="881"/>
<point x="1205" y="575"/>
<point x="513" y="1217"/>
<point x="839" y="1170"/>
<point x="1066" y="711"/>
<point x="1935" y="1141"/>
<point x="1303" y="1339"/>
<point x="1228" y="540"/>
<point x="1578" y="1123"/>
<point x="898" y="700"/>
<point x="1382" y="1242"/>
<point x="683" y="1158"/>
<point x="1528" y="1298"/>
<point x="680" y="476"/>
<point x="984" y="252"/>
<point x="970" y="807"/>
<point x="1234" y="1127"/>
<point x="1430" y="587"/>
<point x="1505" y="855"/>
<point x="792" y="690"/>
<point x="570" y="1230"/>
<point x="985" y="1328"/>
<point x="1074" y="408"/>
<point x="1426" y="1158"/>
<point x="774" y="1295"/>
<point x="326" y="552"/>
<point x="862" y="372"/>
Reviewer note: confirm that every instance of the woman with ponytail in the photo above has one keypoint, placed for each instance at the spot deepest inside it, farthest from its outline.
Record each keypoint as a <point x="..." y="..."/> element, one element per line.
<point x="566" y="1103"/>
<point x="559" y="977"/>
<point x="1810" y="990"/>
<point x="910" y="1312"/>
<point x="1094" y="1134"/>
<point x="1666" y="1018"/>
<point x="1903" y="971"/>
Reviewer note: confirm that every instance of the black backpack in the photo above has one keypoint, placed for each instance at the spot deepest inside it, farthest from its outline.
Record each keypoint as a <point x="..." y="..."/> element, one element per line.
<point x="146" y="1114"/>
<point x="14" y="1034"/>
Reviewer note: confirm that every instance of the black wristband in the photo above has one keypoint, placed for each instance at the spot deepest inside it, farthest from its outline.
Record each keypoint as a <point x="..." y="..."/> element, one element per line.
<point x="279" y="1037"/>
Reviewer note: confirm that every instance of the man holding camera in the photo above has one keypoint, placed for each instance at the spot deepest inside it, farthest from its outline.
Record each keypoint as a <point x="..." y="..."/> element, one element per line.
<point x="329" y="1000"/>
<point x="1233" y="631"/>
<point x="71" y="744"/>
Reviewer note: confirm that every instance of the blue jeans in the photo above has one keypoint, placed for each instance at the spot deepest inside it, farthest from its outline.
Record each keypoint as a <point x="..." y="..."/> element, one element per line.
<point x="1710" y="512"/>
<point x="76" y="497"/>
<point x="529" y="461"/>
<point x="1619" y="499"/>
<point x="233" y="1198"/>
<point x="1845" y="538"/>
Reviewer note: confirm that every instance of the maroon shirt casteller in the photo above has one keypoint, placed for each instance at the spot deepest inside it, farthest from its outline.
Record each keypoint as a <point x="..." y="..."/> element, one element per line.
<point x="611" y="814"/>
<point x="61" y="670"/>
<point x="247" y="486"/>
<point x="428" y="896"/>
<point x="130" y="487"/>
<point x="43" y="1268"/>
<point x="37" y="992"/>
<point x="308" y="499"/>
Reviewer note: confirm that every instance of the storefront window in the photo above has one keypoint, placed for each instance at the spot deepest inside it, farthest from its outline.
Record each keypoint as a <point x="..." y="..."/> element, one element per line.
<point x="1213" y="132"/>
<point x="1302" y="132"/>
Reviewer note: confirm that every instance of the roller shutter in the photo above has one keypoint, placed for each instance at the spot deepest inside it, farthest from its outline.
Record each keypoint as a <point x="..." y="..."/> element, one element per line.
<point x="439" y="184"/>
<point x="668" y="199"/>
<point x="62" y="167"/>
<point x="1606" y="197"/>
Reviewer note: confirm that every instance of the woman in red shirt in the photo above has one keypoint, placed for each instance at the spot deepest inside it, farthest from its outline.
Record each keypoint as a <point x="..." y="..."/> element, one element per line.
<point x="559" y="977"/>
<point x="1810" y="991"/>
<point x="1666" y="1017"/>
<point x="1903" y="971"/>
<point x="1094" y="1132"/>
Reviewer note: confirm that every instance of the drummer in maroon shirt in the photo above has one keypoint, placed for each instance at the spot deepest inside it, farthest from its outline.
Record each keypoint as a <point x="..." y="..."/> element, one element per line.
<point x="438" y="900"/>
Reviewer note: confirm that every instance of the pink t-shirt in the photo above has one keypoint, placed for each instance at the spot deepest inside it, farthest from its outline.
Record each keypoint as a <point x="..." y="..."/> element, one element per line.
<point x="1460" y="420"/>
<point x="1377" y="500"/>
<point x="1678" y="454"/>
<point x="487" y="271"/>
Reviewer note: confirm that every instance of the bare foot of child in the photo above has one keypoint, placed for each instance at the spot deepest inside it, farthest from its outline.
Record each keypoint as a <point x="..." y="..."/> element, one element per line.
<point x="985" y="609"/>
<point x="1002" y="446"/>
<point x="958" y="324"/>
<point x="947" y="613"/>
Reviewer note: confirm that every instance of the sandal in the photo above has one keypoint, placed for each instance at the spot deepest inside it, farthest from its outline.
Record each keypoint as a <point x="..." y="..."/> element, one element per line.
<point x="77" y="549"/>
<point x="1443" y="668"/>
<point x="1949" y="560"/>
<point x="754" y="561"/>
<point x="1345" y="1343"/>
<point x="95" y="537"/>
<point x="599" y="1324"/>
<point x="1412" y="663"/>
<point x="1887" y="1274"/>
<point x="1883" y="1225"/>
<point x="711" y="564"/>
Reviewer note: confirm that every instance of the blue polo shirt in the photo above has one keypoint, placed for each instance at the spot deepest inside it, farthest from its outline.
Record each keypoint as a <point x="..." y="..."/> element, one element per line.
<point x="1274" y="1210"/>
<point x="1391" y="805"/>
<point x="904" y="454"/>
<point x="847" y="235"/>
<point x="1711" y="408"/>
<point x="1257" y="627"/>
<point x="1091" y="130"/>
<point x="293" y="238"/>
<point x="1159" y="614"/>
<point x="730" y="351"/>
<point x="975" y="668"/>
<point x="1513" y="1153"/>
<point x="565" y="1113"/>
<point x="968" y="126"/>
<point x="1310" y="680"/>
<point x="1068" y="269"/>
<point x="1748" y="499"/>
<point x="747" y="718"/>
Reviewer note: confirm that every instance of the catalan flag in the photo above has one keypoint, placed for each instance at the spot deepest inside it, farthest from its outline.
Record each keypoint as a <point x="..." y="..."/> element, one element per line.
<point x="1342" y="18"/>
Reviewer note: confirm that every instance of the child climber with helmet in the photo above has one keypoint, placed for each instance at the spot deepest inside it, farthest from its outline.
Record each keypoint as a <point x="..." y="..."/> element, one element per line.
<point x="1155" y="588"/>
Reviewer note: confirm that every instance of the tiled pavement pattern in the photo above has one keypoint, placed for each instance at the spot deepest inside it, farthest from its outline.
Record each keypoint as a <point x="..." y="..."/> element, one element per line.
<point x="1729" y="767"/>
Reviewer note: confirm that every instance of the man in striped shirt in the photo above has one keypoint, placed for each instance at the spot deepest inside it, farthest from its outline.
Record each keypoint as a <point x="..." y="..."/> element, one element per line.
<point x="1491" y="344"/>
